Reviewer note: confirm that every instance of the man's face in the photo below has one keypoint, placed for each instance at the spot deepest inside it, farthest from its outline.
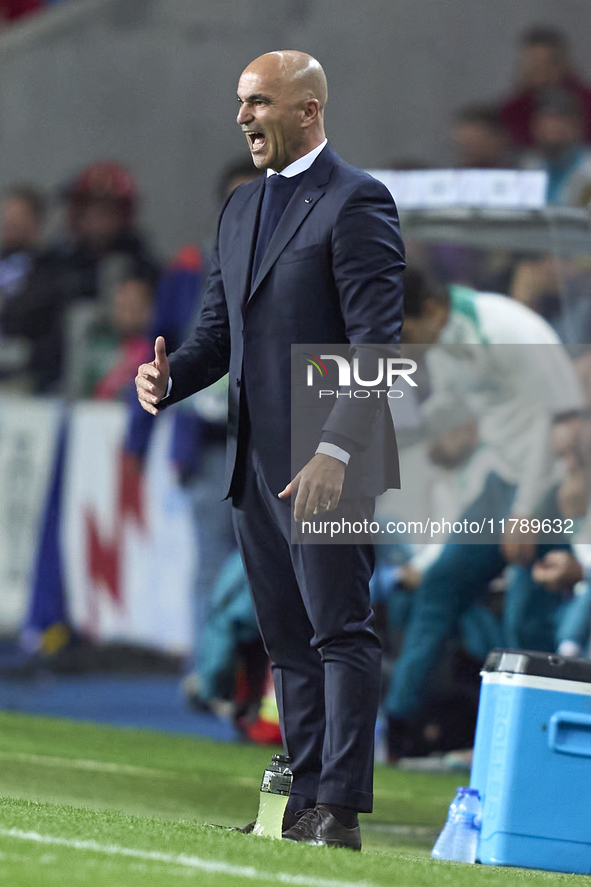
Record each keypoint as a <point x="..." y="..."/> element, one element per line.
<point x="19" y="226"/>
<point x="556" y="132"/>
<point x="542" y="65"/>
<point x="425" y="329"/>
<point x="478" y="145"/>
<point x="271" y="117"/>
<point x="99" y="222"/>
<point x="132" y="308"/>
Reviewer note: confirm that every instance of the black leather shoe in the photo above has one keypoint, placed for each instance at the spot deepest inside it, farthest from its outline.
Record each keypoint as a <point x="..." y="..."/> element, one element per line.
<point x="289" y="819"/>
<point x="321" y="828"/>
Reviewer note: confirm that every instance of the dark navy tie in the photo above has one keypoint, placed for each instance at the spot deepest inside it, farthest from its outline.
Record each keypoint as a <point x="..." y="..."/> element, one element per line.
<point x="278" y="192"/>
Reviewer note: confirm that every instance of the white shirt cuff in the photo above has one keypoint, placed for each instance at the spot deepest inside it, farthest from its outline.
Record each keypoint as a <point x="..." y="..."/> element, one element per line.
<point x="168" y="389"/>
<point x="328" y="449"/>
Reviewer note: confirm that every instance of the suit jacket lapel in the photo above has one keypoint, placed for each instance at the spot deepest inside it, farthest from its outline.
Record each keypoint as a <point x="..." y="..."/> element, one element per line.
<point x="307" y="194"/>
<point x="246" y="240"/>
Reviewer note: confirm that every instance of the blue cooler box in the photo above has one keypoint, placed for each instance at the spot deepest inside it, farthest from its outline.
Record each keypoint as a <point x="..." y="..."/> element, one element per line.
<point x="532" y="761"/>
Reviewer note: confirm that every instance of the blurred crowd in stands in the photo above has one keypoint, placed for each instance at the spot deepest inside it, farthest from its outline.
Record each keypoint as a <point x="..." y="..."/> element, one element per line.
<point x="78" y="315"/>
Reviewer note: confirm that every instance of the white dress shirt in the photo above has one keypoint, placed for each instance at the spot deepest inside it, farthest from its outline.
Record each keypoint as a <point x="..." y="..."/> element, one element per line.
<point x="301" y="164"/>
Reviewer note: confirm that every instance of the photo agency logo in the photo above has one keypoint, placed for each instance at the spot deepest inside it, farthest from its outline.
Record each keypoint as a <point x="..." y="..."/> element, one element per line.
<point x="388" y="372"/>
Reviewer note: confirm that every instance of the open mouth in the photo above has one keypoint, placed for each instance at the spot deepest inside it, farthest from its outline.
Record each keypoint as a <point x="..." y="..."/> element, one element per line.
<point x="256" y="140"/>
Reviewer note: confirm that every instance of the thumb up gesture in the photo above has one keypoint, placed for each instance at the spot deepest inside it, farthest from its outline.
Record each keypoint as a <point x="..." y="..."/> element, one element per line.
<point x="151" y="381"/>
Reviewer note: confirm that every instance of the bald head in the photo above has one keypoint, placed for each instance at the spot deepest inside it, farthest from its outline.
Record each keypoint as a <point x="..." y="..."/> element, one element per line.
<point x="297" y="71"/>
<point x="282" y="97"/>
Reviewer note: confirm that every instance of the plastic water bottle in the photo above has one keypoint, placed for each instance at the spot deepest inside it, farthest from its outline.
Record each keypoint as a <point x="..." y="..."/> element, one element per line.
<point x="275" y="789"/>
<point x="459" y="839"/>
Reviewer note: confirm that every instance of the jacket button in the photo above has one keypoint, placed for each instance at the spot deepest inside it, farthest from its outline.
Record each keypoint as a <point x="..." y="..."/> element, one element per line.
<point x="237" y="383"/>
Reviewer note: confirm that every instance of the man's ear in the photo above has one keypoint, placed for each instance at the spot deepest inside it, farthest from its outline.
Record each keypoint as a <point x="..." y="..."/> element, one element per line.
<point x="311" y="111"/>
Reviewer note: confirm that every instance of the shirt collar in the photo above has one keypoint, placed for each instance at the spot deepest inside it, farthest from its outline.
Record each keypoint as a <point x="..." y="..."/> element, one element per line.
<point x="301" y="164"/>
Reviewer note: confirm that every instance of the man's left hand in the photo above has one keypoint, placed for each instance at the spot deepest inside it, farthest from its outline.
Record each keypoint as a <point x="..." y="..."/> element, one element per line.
<point x="317" y="486"/>
<point x="559" y="570"/>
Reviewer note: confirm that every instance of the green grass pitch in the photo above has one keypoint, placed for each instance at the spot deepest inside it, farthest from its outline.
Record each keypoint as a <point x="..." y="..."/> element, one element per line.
<point x="90" y="805"/>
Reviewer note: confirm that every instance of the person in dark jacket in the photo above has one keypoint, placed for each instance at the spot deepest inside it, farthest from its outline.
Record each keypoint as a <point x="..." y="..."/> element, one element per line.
<point x="543" y="62"/>
<point x="102" y="244"/>
<point x="310" y="253"/>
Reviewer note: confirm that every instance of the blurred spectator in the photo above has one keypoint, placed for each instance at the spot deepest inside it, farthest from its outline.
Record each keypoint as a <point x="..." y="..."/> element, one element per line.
<point x="543" y="62"/>
<point x="230" y="626"/>
<point x="116" y="343"/>
<point x="540" y="282"/>
<point x="11" y="10"/>
<point x="557" y="128"/>
<point x="449" y="720"/>
<point x="102" y="205"/>
<point x="567" y="574"/>
<point x="550" y="284"/>
<point x="481" y="143"/>
<point x="21" y="220"/>
<point x="571" y="441"/>
<point x="102" y="245"/>
<point x="481" y="138"/>
<point x="514" y="395"/>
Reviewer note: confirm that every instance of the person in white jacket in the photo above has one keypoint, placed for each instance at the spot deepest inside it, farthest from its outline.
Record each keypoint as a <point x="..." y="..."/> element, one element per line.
<point x="481" y="363"/>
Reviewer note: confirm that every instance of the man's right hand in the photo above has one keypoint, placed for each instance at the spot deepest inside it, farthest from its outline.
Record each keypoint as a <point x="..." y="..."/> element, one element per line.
<point x="152" y="378"/>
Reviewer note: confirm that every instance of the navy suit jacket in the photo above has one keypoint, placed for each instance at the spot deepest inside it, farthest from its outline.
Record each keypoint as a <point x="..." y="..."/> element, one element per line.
<point x="331" y="274"/>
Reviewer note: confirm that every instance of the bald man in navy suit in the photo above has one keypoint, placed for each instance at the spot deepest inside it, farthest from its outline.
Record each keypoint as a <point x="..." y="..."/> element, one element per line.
<point x="310" y="253"/>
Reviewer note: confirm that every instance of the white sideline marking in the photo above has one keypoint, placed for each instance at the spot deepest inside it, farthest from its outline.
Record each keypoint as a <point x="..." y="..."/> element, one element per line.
<point x="107" y="767"/>
<point x="85" y="764"/>
<point x="194" y="862"/>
